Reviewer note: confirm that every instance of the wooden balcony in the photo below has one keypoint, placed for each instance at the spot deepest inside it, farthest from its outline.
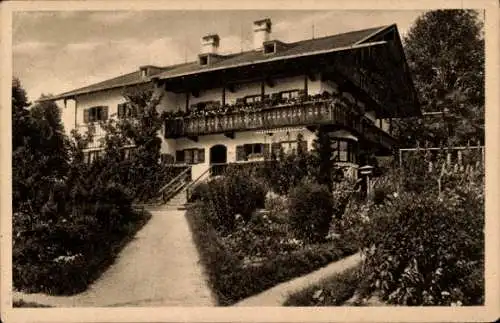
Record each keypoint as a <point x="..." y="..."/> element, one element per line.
<point x="311" y="113"/>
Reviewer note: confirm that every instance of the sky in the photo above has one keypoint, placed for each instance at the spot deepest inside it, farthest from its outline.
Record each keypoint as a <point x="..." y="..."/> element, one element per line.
<point x="58" y="51"/>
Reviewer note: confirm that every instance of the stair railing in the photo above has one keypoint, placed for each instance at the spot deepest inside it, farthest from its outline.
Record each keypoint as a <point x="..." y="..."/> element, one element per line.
<point x="176" y="184"/>
<point x="190" y="186"/>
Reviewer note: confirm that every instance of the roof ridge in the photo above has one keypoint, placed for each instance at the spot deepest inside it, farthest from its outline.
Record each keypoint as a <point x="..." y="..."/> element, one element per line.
<point x="229" y="56"/>
<point x="341" y="34"/>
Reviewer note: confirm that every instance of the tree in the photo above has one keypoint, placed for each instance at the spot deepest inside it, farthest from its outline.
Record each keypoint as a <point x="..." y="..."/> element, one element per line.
<point x="323" y="152"/>
<point x="39" y="152"/>
<point x="445" y="53"/>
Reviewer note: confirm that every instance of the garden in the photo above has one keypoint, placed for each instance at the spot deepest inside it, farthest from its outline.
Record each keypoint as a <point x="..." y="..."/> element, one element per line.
<point x="420" y="246"/>
<point x="259" y="225"/>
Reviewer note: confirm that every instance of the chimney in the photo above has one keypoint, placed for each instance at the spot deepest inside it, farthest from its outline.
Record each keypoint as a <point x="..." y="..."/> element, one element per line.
<point x="261" y="32"/>
<point x="209" y="44"/>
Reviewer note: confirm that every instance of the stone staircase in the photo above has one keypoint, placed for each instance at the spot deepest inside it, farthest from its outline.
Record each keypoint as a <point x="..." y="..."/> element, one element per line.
<point x="177" y="202"/>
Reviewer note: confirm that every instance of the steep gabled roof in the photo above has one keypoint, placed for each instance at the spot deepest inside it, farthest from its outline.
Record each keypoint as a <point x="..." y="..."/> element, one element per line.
<point x="304" y="47"/>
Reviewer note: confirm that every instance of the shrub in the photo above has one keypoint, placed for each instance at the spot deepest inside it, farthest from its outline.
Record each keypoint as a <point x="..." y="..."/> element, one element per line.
<point x="199" y="192"/>
<point x="229" y="195"/>
<point x="61" y="251"/>
<point x="333" y="291"/>
<point x="421" y="250"/>
<point x="310" y="210"/>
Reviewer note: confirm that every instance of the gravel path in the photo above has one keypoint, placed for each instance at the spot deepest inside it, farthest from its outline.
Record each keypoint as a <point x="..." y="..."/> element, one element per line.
<point x="159" y="267"/>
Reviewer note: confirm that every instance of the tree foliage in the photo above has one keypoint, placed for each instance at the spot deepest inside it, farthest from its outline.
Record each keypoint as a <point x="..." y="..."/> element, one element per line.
<point x="445" y="53"/>
<point x="40" y="157"/>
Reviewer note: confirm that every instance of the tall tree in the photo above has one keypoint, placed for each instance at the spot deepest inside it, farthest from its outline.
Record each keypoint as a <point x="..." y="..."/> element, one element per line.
<point x="445" y="53"/>
<point x="323" y="152"/>
<point x="39" y="151"/>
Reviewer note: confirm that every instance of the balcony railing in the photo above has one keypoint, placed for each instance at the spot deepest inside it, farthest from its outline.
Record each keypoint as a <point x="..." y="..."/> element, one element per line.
<point x="309" y="113"/>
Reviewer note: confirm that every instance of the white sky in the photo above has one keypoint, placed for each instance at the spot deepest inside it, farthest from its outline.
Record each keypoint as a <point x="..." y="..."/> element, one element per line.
<point x="97" y="45"/>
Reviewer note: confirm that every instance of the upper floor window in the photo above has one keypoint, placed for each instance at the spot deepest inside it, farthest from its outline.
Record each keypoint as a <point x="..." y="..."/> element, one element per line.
<point x="98" y="113"/>
<point x="292" y="94"/>
<point x="269" y="48"/>
<point x="253" y="99"/>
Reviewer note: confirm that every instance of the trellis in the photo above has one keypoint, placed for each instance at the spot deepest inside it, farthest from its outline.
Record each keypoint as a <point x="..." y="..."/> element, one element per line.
<point x="448" y="167"/>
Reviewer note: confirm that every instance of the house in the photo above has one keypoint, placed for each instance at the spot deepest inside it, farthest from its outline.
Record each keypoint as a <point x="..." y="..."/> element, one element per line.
<point x="242" y="107"/>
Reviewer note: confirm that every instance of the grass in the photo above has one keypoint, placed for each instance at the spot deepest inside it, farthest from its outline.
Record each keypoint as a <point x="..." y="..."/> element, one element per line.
<point x="334" y="291"/>
<point x="231" y="281"/>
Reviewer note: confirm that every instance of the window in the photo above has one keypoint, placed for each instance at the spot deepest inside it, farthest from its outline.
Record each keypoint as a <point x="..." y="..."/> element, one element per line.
<point x="269" y="48"/>
<point x="253" y="99"/>
<point x="290" y="94"/>
<point x="204" y="60"/>
<point x="128" y="152"/>
<point x="344" y="150"/>
<point x="253" y="149"/>
<point x="98" y="113"/>
<point x="126" y="110"/>
<point x="289" y="147"/>
<point x="250" y="151"/>
<point x="190" y="156"/>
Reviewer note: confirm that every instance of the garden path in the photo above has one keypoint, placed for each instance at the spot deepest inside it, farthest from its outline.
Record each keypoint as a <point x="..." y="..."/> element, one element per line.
<point x="159" y="267"/>
<point x="277" y="295"/>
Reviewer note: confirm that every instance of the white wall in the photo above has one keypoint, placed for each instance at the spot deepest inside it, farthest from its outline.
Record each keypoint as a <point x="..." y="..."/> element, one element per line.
<point x="284" y="84"/>
<point x="315" y="87"/>
<point x="240" y="138"/>
<point x="242" y="90"/>
<point x="109" y="98"/>
<point x="207" y="95"/>
<point x="171" y="101"/>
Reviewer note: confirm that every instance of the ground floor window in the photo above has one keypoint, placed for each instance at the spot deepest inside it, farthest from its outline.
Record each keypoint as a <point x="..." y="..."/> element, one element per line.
<point x="251" y="151"/>
<point x="288" y="147"/>
<point x="190" y="156"/>
<point x="345" y="150"/>
<point x="90" y="156"/>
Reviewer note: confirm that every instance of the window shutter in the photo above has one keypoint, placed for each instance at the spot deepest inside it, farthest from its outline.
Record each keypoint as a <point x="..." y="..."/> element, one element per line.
<point x="179" y="156"/>
<point x="201" y="155"/>
<point x="302" y="146"/>
<point x="195" y="156"/>
<point x="121" y="108"/>
<point x="240" y="153"/>
<point x="188" y="156"/>
<point x="86" y="116"/>
<point x="104" y="113"/>
<point x="266" y="150"/>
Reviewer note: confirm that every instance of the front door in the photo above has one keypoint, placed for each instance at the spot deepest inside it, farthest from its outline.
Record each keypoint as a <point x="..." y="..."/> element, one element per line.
<point x="218" y="159"/>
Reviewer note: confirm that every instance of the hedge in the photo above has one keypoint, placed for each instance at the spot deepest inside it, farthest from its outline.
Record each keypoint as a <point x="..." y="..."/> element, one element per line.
<point x="232" y="282"/>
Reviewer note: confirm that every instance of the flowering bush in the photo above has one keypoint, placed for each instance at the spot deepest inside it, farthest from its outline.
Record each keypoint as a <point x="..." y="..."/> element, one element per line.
<point x="425" y="250"/>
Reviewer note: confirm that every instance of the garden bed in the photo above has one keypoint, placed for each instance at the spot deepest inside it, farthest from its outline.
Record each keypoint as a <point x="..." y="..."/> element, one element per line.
<point x="233" y="277"/>
<point x="37" y="269"/>
<point x="334" y="291"/>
